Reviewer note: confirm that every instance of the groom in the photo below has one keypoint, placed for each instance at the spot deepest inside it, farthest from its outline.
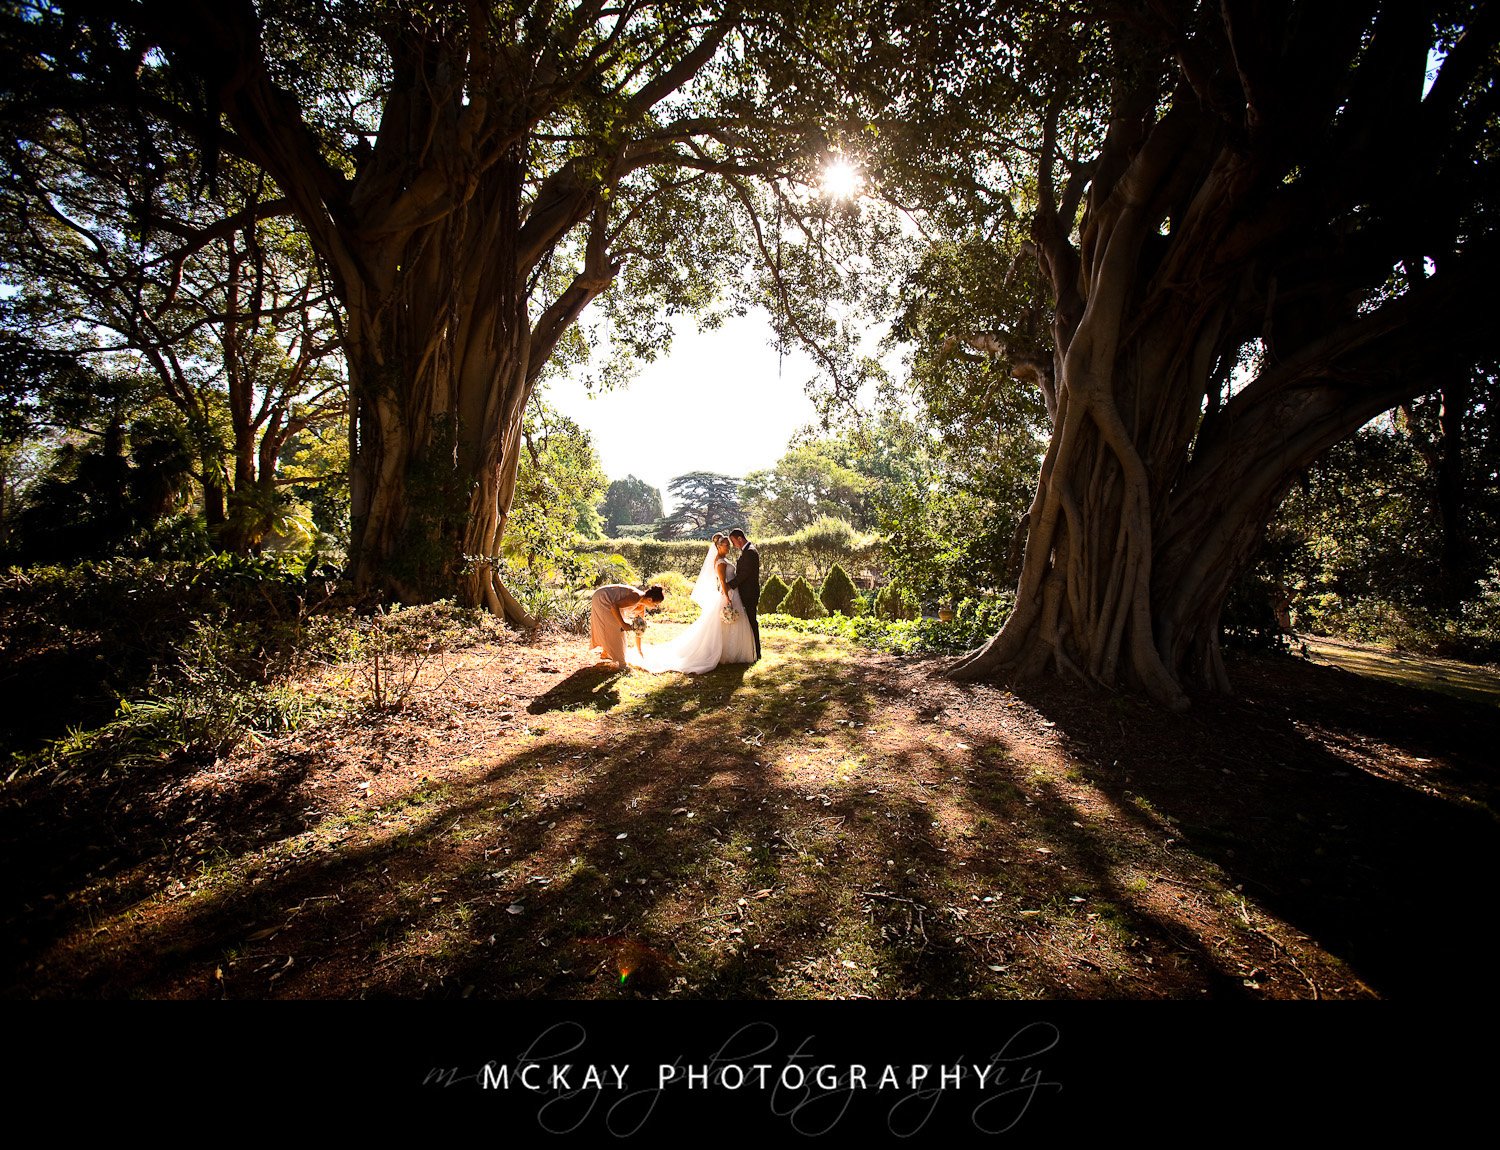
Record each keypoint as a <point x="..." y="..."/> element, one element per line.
<point x="747" y="579"/>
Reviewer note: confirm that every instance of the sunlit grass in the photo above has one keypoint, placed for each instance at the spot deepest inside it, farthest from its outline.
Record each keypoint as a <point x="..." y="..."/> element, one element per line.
<point x="1461" y="680"/>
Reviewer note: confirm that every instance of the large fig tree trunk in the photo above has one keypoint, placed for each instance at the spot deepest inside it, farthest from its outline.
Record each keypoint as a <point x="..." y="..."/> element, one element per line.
<point x="443" y="357"/>
<point x="462" y="241"/>
<point x="1220" y="322"/>
<point x="438" y="340"/>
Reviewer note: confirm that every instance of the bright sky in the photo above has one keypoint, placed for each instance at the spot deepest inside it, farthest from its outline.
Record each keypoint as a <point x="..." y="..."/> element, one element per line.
<point x="718" y="401"/>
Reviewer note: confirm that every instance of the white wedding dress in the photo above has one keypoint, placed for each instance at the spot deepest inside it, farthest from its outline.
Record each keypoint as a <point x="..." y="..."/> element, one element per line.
<point x="709" y="641"/>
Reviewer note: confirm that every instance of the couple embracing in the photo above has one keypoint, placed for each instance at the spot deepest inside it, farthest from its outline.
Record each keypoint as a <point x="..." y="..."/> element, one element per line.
<point x="727" y="631"/>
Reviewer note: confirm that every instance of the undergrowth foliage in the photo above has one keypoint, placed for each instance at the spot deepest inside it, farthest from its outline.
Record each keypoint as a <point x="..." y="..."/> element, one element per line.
<point x="973" y="623"/>
<point x="200" y="706"/>
<point x="392" y="648"/>
<point x="122" y="664"/>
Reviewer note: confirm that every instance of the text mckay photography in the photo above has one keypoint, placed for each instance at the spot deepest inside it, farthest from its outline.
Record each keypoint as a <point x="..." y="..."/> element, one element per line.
<point x="566" y="1080"/>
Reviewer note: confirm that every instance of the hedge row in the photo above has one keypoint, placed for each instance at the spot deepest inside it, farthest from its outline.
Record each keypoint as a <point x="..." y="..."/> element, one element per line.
<point x="865" y="562"/>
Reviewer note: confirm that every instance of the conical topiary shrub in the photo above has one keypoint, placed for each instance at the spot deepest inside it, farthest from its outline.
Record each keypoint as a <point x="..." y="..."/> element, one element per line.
<point x="838" y="592"/>
<point x="801" y="602"/>
<point x="771" y="595"/>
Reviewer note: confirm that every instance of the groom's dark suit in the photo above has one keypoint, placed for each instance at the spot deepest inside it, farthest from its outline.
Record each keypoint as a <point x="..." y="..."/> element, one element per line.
<point x="747" y="579"/>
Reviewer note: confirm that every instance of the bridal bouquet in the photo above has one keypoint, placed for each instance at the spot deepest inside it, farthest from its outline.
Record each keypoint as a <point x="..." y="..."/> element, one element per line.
<point x="729" y="615"/>
<point x="637" y="623"/>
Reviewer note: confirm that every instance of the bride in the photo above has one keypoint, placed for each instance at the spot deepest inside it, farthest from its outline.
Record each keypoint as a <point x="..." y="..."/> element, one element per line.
<point x="721" y="634"/>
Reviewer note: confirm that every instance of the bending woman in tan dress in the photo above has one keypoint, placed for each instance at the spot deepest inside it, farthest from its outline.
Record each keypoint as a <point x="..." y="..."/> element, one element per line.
<point x="607" y="623"/>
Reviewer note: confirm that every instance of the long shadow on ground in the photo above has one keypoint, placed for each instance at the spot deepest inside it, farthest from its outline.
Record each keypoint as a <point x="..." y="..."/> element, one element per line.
<point x="1361" y="812"/>
<point x="818" y="831"/>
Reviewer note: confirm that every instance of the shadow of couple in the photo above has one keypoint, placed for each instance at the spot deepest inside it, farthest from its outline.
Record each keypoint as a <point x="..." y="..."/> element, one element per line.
<point x="597" y="688"/>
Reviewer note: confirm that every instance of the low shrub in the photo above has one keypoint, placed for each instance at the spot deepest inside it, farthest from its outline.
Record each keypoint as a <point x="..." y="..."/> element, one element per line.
<point x="133" y="661"/>
<point x="772" y="592"/>
<point x="612" y="569"/>
<point x="895" y="602"/>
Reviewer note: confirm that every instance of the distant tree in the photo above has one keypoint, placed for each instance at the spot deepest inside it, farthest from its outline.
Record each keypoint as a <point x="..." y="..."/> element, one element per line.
<point x="807" y="484"/>
<point x="826" y="540"/>
<point x="630" y="501"/>
<point x="704" y="502"/>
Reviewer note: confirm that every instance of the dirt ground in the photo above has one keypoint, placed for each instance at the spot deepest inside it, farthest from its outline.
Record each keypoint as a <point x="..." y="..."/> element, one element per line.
<point x="826" y="823"/>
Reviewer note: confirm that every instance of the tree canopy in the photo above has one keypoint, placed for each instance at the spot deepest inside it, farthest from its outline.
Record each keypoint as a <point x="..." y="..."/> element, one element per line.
<point x="471" y="178"/>
<point x="210" y="306"/>
<point x="1217" y="240"/>
<point x="630" y="501"/>
<point x="704" y="502"/>
<point x="806" y="484"/>
<point x="1177" y="250"/>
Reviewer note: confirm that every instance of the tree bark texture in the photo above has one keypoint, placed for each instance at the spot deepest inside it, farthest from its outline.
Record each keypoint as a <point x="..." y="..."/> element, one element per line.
<point x="1230" y="223"/>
